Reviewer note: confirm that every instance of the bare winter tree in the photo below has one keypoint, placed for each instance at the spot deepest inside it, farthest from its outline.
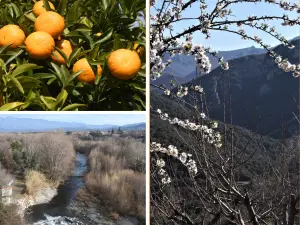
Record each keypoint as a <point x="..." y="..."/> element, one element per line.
<point x="5" y="177"/>
<point x="201" y="183"/>
<point x="56" y="154"/>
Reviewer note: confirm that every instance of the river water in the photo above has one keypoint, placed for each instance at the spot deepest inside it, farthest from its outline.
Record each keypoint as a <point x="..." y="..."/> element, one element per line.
<point x="56" y="211"/>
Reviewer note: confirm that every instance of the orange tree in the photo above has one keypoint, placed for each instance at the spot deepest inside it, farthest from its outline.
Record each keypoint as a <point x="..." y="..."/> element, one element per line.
<point x="93" y="30"/>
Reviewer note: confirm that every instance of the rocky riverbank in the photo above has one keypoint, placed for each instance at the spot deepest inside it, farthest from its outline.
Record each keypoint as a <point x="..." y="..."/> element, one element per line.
<point x="43" y="196"/>
<point x="62" y="206"/>
<point x="91" y="215"/>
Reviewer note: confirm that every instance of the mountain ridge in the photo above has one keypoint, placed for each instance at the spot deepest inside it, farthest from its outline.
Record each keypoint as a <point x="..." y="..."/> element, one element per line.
<point x="13" y="124"/>
<point x="183" y="69"/>
<point x="264" y="97"/>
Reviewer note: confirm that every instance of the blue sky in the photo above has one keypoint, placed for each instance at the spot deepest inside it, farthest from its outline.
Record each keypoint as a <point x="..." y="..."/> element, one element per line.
<point x="227" y="41"/>
<point x="88" y="118"/>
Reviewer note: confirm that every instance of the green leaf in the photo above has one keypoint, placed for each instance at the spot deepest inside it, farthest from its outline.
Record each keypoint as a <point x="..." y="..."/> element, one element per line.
<point x="59" y="73"/>
<point x="95" y="52"/>
<point x="61" y="53"/>
<point x="11" y="106"/>
<point x="104" y="37"/>
<point x="140" y="87"/>
<point x="17" y="83"/>
<point x="83" y="53"/>
<point x="48" y="101"/>
<point x="73" y="76"/>
<point x="46" y="5"/>
<point x="75" y="93"/>
<point x="14" y="55"/>
<point x="2" y="66"/>
<point x="9" y="19"/>
<point x="105" y="4"/>
<point x="66" y="75"/>
<point x="43" y="75"/>
<point x="16" y="10"/>
<point x="117" y="42"/>
<point x="28" y="81"/>
<point x="62" y="7"/>
<point x="142" y="73"/>
<point x="138" y="99"/>
<point x="31" y="17"/>
<point x="2" y="49"/>
<point x="73" y="55"/>
<point x="51" y="80"/>
<point x="25" y="68"/>
<point x="89" y="38"/>
<point x="11" y="11"/>
<point x="31" y="95"/>
<point x="73" y="34"/>
<point x="73" y="107"/>
<point x="85" y="21"/>
<point x="61" y="98"/>
<point x="74" y="13"/>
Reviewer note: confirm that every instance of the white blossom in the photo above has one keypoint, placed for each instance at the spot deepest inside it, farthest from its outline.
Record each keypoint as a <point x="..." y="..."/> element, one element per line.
<point x="184" y="158"/>
<point x="167" y="92"/>
<point x="160" y="163"/>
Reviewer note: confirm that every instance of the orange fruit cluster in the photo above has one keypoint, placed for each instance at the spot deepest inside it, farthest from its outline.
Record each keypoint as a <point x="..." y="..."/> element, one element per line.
<point x="39" y="8"/>
<point x="39" y="45"/>
<point x="87" y="75"/>
<point x="123" y="64"/>
<point x="12" y="34"/>
<point x="66" y="47"/>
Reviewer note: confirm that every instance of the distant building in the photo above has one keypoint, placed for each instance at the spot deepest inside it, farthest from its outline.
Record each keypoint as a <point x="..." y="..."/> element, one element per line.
<point x="6" y="191"/>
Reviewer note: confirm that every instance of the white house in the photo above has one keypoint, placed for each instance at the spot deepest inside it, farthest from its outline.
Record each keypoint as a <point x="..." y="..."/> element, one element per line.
<point x="6" y="191"/>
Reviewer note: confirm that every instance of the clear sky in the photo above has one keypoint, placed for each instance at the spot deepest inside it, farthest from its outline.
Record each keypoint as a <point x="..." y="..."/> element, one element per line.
<point x="88" y="118"/>
<point x="227" y="41"/>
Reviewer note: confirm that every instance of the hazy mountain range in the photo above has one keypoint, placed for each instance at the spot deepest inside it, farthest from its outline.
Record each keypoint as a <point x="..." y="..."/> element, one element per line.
<point x="182" y="69"/>
<point x="264" y="97"/>
<point x="12" y="124"/>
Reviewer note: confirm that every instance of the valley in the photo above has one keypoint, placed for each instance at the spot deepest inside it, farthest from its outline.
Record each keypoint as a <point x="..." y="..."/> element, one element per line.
<point x="255" y="105"/>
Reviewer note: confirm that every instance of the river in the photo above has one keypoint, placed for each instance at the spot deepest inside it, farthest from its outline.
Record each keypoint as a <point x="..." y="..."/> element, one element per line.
<point x="56" y="211"/>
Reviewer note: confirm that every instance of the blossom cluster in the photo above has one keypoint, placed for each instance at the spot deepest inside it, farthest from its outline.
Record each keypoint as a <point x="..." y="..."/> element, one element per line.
<point x="178" y="46"/>
<point x="208" y="133"/>
<point x="183" y="157"/>
<point x="287" y="66"/>
<point x="160" y="163"/>
<point x="183" y="91"/>
<point x="164" y="44"/>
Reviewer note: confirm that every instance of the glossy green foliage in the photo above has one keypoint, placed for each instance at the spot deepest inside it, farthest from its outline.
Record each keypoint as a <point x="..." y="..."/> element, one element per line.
<point x="28" y="84"/>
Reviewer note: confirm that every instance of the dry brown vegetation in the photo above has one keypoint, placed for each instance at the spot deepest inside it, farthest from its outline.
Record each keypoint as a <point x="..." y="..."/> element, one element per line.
<point x="117" y="175"/>
<point x="49" y="153"/>
<point x="43" y="158"/>
<point x="9" y="215"/>
<point x="4" y="175"/>
<point x="35" y="181"/>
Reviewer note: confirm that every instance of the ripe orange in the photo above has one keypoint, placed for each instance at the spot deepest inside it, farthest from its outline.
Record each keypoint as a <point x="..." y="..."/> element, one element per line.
<point x="66" y="47"/>
<point x="12" y="34"/>
<point x="124" y="64"/>
<point x="39" y="8"/>
<point x="39" y="45"/>
<point x="140" y="50"/>
<point x="87" y="75"/>
<point x="50" y="22"/>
